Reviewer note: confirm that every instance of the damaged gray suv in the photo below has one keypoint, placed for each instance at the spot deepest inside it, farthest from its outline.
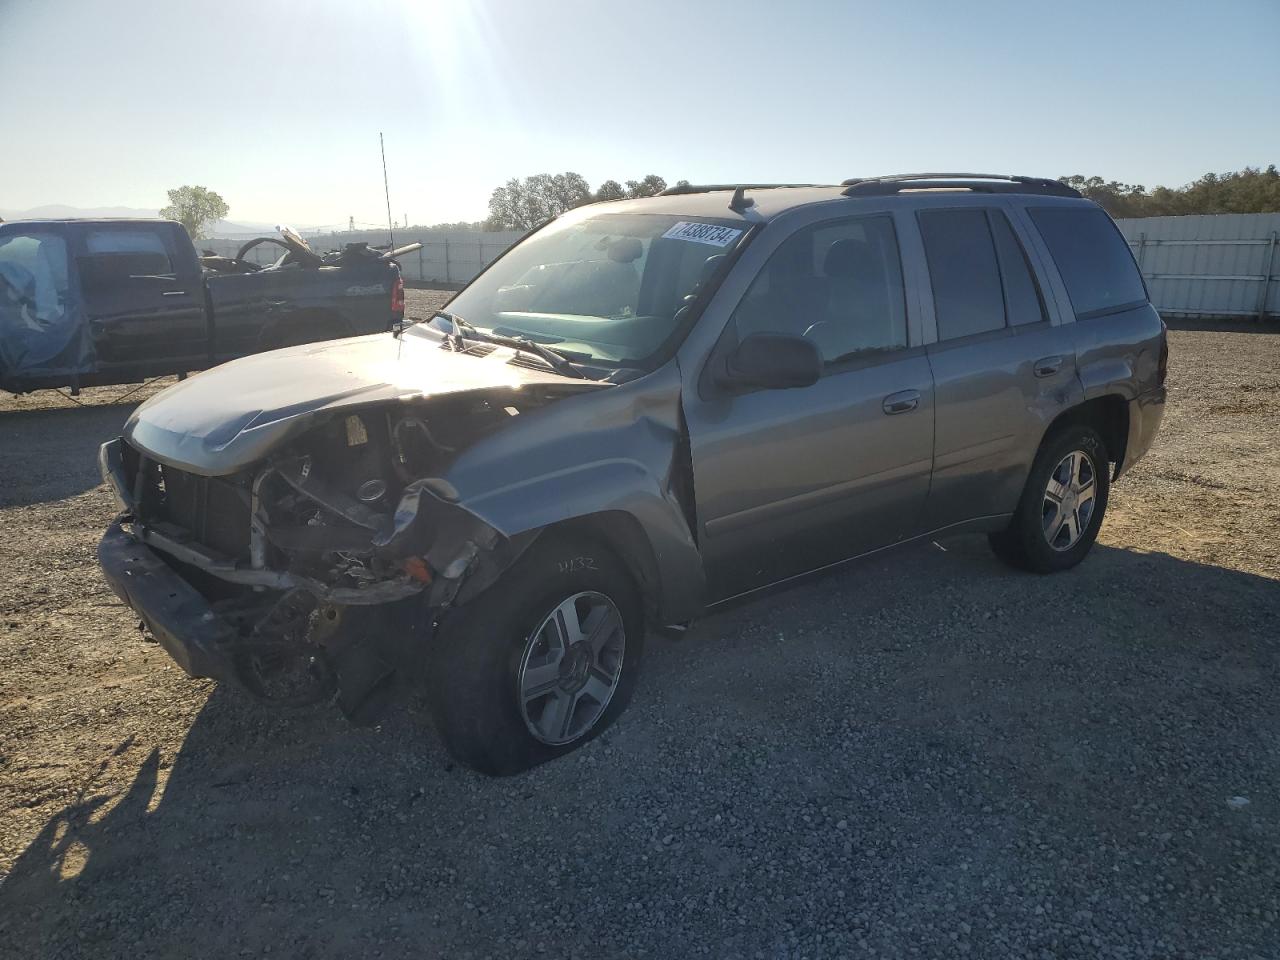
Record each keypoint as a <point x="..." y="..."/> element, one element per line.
<point x="643" y="410"/>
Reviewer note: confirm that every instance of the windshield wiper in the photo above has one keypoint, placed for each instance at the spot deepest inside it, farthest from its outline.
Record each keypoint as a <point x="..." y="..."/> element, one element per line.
<point x="556" y="361"/>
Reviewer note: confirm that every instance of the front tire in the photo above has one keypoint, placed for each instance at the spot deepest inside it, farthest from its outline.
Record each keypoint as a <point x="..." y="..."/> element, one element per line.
<point x="1062" y="506"/>
<point x="540" y="663"/>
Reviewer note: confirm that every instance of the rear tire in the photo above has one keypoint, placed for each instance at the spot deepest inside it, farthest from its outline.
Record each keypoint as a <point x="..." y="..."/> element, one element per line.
<point x="541" y="662"/>
<point x="1062" y="505"/>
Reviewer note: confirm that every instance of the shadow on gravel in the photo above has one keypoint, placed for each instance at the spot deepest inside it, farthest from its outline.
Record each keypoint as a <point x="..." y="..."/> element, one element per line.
<point x="37" y="466"/>
<point x="1019" y="762"/>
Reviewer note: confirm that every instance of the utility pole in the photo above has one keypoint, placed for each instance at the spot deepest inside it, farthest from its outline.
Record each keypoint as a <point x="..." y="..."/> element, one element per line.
<point x="351" y="224"/>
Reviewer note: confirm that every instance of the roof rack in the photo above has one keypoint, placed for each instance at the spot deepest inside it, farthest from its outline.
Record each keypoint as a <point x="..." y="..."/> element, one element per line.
<point x="977" y="182"/>
<point x="712" y="187"/>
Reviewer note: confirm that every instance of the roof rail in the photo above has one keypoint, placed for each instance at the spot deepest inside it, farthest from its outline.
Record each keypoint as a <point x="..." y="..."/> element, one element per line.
<point x="679" y="189"/>
<point x="977" y="182"/>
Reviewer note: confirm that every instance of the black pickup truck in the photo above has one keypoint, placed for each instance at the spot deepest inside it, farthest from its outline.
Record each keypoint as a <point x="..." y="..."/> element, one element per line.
<point x="90" y="302"/>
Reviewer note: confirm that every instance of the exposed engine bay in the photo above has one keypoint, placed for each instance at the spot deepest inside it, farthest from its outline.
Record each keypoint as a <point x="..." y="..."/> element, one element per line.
<point x="331" y="556"/>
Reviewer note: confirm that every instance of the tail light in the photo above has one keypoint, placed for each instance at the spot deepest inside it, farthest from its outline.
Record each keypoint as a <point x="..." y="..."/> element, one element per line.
<point x="397" y="297"/>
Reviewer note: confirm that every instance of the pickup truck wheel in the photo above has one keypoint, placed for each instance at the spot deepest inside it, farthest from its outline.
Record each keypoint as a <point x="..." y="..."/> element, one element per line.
<point x="541" y="662"/>
<point x="1061" y="510"/>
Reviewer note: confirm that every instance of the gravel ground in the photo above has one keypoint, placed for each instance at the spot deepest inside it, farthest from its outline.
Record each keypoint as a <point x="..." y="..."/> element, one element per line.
<point x="926" y="755"/>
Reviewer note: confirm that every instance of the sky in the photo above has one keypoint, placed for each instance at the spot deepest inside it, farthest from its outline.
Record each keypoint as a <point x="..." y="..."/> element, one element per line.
<point x="277" y="104"/>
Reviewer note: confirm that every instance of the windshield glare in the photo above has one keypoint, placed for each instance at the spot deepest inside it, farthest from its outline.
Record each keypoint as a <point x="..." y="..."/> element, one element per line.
<point x="609" y="287"/>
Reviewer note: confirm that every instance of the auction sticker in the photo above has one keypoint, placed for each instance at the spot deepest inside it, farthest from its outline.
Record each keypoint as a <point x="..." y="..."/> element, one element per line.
<point x="708" y="233"/>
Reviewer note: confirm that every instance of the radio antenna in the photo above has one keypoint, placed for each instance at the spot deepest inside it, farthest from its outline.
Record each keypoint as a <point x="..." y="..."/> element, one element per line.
<point x="391" y="230"/>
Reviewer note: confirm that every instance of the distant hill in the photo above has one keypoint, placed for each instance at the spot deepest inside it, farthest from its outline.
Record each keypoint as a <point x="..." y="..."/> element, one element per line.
<point x="61" y="211"/>
<point x="58" y="211"/>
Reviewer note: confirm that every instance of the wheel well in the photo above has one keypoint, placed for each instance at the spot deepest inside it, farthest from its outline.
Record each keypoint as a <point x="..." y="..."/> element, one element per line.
<point x="1109" y="415"/>
<point x="622" y="534"/>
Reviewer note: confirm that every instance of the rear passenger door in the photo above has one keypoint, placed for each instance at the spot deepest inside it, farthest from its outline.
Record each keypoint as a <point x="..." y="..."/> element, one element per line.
<point x="1002" y="368"/>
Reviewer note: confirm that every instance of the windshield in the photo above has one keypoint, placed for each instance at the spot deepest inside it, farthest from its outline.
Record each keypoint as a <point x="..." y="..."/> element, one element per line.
<point x="609" y="287"/>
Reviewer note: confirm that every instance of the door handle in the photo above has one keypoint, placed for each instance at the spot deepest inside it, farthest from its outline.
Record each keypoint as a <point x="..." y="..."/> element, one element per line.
<point x="173" y="293"/>
<point x="901" y="402"/>
<point x="1047" y="366"/>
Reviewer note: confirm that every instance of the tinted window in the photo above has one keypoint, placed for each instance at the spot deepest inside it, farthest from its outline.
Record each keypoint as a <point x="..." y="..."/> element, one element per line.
<point x="838" y="284"/>
<point x="1021" y="295"/>
<point x="967" y="297"/>
<point x="1092" y="257"/>
<point x="117" y="255"/>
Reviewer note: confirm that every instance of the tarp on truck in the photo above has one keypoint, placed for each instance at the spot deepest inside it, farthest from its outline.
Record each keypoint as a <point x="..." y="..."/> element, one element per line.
<point x="43" y="330"/>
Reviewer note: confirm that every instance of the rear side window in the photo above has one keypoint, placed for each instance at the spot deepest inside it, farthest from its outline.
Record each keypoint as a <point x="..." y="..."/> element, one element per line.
<point x="1092" y="257"/>
<point x="967" y="296"/>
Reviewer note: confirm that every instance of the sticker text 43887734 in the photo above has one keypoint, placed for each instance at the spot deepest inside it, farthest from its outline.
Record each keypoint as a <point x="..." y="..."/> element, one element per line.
<point x="711" y="234"/>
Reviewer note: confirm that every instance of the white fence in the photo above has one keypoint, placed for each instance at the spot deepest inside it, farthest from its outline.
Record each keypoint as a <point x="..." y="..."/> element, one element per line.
<point x="1215" y="266"/>
<point x="449" y="257"/>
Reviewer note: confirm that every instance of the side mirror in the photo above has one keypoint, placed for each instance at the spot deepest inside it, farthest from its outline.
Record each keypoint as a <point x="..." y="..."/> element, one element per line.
<point x="772" y="361"/>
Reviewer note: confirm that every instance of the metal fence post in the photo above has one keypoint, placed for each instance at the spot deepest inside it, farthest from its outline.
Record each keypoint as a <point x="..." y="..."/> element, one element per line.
<point x="447" y="278"/>
<point x="1270" y="264"/>
<point x="420" y="249"/>
<point x="1142" y="249"/>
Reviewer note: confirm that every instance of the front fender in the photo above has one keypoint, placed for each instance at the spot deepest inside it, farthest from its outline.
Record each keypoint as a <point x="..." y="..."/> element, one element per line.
<point x="608" y="451"/>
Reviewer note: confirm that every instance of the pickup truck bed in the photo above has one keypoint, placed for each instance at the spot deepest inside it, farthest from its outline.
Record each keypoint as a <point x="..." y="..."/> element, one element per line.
<point x="89" y="302"/>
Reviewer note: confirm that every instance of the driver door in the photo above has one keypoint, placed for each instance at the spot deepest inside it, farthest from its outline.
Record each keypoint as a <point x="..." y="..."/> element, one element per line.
<point x="791" y="480"/>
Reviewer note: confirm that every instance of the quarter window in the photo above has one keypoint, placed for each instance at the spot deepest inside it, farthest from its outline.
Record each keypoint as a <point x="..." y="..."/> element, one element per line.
<point x="1092" y="257"/>
<point x="1022" y="300"/>
<point x="967" y="296"/>
<point x="838" y="284"/>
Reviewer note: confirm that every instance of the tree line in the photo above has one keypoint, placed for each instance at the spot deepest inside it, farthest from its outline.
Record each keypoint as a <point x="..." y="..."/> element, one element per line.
<point x="1251" y="190"/>
<point x="522" y="204"/>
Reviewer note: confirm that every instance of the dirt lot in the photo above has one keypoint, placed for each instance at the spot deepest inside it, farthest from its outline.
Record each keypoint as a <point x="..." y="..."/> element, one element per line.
<point x="924" y="755"/>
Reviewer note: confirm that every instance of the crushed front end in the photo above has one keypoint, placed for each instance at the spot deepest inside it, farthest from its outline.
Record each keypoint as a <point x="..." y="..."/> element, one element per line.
<point x="318" y="572"/>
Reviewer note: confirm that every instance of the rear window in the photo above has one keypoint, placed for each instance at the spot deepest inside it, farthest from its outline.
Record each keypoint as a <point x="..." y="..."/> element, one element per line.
<point x="1092" y="257"/>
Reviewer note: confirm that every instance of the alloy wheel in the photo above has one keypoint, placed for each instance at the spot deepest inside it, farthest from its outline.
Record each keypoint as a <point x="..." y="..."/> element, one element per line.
<point x="1069" y="500"/>
<point x="571" y="667"/>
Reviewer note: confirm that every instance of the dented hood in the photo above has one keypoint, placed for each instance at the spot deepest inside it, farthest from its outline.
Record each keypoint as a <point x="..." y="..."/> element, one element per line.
<point x="225" y="419"/>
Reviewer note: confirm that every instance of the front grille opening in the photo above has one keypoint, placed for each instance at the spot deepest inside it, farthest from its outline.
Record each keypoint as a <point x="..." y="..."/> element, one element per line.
<point x="215" y="511"/>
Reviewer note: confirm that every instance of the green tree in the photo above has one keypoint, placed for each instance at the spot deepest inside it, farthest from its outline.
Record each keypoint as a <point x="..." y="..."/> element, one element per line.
<point x="523" y="204"/>
<point x="196" y="208"/>
<point x="1251" y="190"/>
<point x="650" y="186"/>
<point x="610" y="190"/>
